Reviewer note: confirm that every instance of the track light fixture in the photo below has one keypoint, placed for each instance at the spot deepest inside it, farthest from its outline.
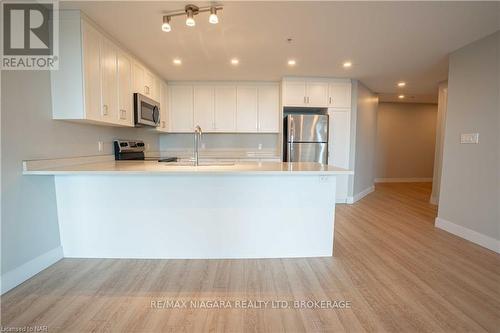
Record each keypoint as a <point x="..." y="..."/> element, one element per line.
<point x="166" y="24"/>
<point x="191" y="11"/>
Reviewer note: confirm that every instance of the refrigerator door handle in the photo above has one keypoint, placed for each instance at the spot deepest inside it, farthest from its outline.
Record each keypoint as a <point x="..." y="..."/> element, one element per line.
<point x="292" y="131"/>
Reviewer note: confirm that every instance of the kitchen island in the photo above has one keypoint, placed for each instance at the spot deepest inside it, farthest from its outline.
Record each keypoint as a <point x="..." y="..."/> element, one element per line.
<point x="147" y="209"/>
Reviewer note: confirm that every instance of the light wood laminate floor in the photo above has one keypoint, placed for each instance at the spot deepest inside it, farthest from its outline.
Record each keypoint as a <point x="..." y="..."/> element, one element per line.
<point x="399" y="273"/>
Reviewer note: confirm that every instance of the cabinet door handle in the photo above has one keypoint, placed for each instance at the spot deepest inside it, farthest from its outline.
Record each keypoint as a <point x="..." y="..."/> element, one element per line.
<point x="146" y="90"/>
<point x="305" y="100"/>
<point x="123" y="114"/>
<point x="104" y="110"/>
<point x="163" y="124"/>
<point x="330" y="100"/>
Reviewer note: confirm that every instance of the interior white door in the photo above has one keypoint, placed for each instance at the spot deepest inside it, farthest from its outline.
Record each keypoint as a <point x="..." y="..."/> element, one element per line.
<point x="204" y="107"/>
<point x="92" y="71"/>
<point x="225" y="108"/>
<point x="181" y="108"/>
<point x="125" y="97"/>
<point x="340" y="95"/>
<point x="109" y="81"/>
<point x="269" y="108"/>
<point x="246" y="109"/>
<point x="317" y="93"/>
<point x="295" y="93"/>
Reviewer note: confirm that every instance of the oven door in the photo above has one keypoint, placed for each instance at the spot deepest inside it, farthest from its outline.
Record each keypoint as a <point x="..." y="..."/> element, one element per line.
<point x="147" y="111"/>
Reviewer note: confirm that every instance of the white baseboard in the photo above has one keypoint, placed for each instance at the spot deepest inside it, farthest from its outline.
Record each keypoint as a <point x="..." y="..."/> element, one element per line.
<point x="22" y="273"/>
<point x="403" y="180"/>
<point x="468" y="234"/>
<point x="360" y="195"/>
<point x="341" y="200"/>
<point x="433" y="200"/>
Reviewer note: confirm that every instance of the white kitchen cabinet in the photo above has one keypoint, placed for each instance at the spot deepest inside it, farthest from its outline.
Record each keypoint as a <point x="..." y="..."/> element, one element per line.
<point x="310" y="92"/>
<point x="91" y="44"/>
<point x="305" y="93"/>
<point x="316" y="93"/>
<point x="339" y="94"/>
<point x="164" y="123"/>
<point x="109" y="81"/>
<point x="156" y="89"/>
<point x="246" y="108"/>
<point x="139" y="77"/>
<point x="148" y="84"/>
<point x="203" y="106"/>
<point x="225" y="108"/>
<point x="181" y="108"/>
<point x="339" y="148"/>
<point x="295" y="93"/>
<point x="96" y="79"/>
<point x="268" y="108"/>
<point x="125" y="97"/>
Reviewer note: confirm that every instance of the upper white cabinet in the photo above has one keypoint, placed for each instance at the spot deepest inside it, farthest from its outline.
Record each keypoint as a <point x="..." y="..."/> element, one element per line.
<point x="109" y="79"/>
<point x="299" y="92"/>
<point x="225" y="107"/>
<point x="317" y="93"/>
<point x="164" y="114"/>
<point x="96" y="78"/>
<point x="246" y="109"/>
<point x="269" y="102"/>
<point x="204" y="107"/>
<point x="339" y="94"/>
<point x="91" y="43"/>
<point x="181" y="108"/>
<point x="294" y="93"/>
<point x="145" y="82"/>
<point x="125" y="99"/>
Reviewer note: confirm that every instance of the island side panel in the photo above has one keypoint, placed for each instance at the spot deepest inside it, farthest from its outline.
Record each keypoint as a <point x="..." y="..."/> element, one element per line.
<point x="195" y="216"/>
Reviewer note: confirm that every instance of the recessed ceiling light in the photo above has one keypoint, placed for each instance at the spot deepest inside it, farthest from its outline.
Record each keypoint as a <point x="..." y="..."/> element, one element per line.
<point x="401" y="84"/>
<point x="401" y="96"/>
<point x="292" y="62"/>
<point x="347" y="64"/>
<point x="177" y="61"/>
<point x="235" y="61"/>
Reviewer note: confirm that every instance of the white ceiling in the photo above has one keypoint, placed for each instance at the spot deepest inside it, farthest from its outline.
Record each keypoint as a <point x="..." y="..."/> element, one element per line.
<point x="386" y="41"/>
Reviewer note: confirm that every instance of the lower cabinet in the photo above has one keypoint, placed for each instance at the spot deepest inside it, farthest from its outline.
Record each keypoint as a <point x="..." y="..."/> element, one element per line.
<point x="224" y="108"/>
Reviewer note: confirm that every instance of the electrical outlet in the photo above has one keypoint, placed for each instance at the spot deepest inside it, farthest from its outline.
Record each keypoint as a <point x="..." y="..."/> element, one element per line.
<point x="260" y="146"/>
<point x="100" y="146"/>
<point x="203" y="145"/>
<point x="469" y="138"/>
<point x="147" y="146"/>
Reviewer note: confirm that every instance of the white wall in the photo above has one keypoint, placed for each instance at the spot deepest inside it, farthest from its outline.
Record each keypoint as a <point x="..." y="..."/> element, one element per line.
<point x="406" y="134"/>
<point x="29" y="218"/>
<point x="363" y="139"/>
<point x="469" y="200"/>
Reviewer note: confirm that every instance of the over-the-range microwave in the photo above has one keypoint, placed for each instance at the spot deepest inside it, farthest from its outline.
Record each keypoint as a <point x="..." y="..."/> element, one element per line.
<point x="146" y="110"/>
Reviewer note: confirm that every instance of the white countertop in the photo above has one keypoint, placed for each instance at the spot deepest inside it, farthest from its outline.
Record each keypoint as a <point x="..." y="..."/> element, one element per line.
<point x="108" y="167"/>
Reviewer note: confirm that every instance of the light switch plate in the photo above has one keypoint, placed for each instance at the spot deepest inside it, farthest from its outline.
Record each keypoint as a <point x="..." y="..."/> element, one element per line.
<point x="469" y="138"/>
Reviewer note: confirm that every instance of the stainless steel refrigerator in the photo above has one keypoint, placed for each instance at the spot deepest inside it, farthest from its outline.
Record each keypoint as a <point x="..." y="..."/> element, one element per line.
<point x="307" y="138"/>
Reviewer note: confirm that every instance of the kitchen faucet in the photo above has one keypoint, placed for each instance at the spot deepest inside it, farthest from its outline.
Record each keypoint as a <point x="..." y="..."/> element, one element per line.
<point x="197" y="138"/>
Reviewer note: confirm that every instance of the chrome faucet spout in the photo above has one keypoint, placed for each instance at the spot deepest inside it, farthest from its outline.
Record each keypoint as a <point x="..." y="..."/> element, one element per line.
<point x="197" y="138"/>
